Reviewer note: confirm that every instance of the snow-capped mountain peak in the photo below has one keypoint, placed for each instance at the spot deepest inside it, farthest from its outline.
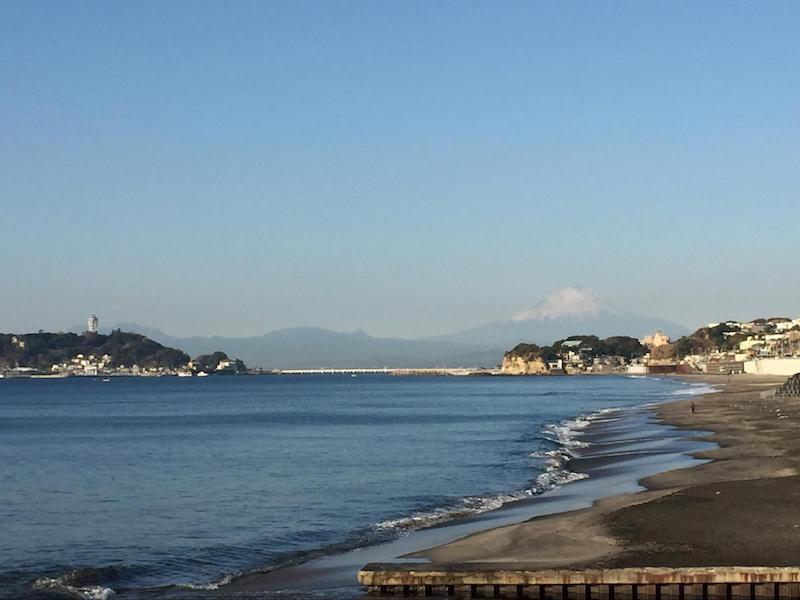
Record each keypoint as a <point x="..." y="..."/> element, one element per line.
<point x="564" y="303"/>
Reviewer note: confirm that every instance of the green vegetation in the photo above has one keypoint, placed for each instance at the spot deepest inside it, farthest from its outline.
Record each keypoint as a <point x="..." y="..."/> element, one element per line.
<point x="527" y="351"/>
<point x="588" y="345"/>
<point x="43" y="350"/>
<point x="210" y="363"/>
<point x="722" y="337"/>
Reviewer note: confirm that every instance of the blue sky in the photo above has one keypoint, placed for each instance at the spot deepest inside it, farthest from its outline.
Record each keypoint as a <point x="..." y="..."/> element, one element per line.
<point x="409" y="168"/>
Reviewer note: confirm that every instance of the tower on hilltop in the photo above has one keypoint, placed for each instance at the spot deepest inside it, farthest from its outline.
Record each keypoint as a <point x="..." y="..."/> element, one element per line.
<point x="91" y="324"/>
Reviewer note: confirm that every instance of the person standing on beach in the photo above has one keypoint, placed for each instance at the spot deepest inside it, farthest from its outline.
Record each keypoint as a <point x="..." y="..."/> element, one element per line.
<point x="692" y="406"/>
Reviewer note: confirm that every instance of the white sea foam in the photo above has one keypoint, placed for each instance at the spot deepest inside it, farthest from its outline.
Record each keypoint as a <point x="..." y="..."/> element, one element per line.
<point x="62" y="586"/>
<point x="689" y="388"/>
<point x="565" y="434"/>
<point x="211" y="586"/>
<point x="696" y="389"/>
<point x="471" y="505"/>
<point x="553" y="459"/>
<point x="553" y="479"/>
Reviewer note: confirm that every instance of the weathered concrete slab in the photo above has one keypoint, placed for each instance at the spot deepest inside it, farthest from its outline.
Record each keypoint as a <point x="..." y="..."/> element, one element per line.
<point x="516" y="581"/>
<point x="513" y="574"/>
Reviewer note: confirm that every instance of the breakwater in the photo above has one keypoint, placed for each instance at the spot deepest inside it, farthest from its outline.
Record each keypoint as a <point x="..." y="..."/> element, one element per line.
<point x="791" y="388"/>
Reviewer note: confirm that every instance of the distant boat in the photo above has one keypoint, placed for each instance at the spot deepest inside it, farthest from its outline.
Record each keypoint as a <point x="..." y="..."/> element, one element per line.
<point x="353" y="375"/>
<point x="106" y="380"/>
<point x="185" y="374"/>
<point x="202" y="374"/>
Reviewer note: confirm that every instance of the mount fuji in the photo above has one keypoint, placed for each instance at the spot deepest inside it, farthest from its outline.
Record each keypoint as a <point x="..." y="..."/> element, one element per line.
<point x="566" y="311"/>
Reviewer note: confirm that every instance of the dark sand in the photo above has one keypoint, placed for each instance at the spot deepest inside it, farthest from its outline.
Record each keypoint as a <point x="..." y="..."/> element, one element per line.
<point x="742" y="508"/>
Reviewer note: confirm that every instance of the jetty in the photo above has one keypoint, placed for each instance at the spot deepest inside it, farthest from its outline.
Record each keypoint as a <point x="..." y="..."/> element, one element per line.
<point x="513" y="580"/>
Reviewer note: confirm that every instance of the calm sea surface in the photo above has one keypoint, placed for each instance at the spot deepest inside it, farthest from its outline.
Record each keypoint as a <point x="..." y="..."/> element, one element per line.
<point x="147" y="482"/>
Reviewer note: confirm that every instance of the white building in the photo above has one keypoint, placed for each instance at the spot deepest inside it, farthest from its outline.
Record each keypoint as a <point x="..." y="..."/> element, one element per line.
<point x="750" y="343"/>
<point x="787" y="325"/>
<point x="91" y="324"/>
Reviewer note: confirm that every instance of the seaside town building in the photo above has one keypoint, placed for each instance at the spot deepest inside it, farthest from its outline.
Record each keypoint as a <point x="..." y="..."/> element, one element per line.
<point x="91" y="324"/>
<point x="761" y="346"/>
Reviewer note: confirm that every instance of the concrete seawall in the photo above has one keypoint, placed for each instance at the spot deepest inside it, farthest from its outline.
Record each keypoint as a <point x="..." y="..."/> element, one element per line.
<point x="515" y="581"/>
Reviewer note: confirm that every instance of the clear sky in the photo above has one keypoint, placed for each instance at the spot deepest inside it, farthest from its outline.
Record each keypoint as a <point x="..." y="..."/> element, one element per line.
<point x="408" y="168"/>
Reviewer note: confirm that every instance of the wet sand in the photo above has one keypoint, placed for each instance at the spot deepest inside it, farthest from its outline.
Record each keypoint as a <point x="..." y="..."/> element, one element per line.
<point x="740" y="508"/>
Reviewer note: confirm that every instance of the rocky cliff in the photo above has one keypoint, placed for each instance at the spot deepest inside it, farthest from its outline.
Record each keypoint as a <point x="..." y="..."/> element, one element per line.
<point x="525" y="359"/>
<point x="520" y="365"/>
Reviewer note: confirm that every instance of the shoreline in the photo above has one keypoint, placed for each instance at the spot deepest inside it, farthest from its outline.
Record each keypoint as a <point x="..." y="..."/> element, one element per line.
<point x="626" y="444"/>
<point x="334" y="575"/>
<point x="684" y="517"/>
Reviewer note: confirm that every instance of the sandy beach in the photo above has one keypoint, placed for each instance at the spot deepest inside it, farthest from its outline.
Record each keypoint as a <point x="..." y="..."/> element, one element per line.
<point x="739" y="508"/>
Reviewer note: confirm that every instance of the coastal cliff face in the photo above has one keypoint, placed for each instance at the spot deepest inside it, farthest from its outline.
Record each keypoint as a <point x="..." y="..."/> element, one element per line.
<point x="521" y="365"/>
<point x="524" y="359"/>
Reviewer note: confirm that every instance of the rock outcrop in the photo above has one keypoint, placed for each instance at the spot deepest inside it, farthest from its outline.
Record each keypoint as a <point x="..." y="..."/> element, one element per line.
<point x="524" y="359"/>
<point x="520" y="365"/>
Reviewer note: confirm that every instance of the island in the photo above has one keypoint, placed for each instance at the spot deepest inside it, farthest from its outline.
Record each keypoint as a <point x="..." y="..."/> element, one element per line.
<point x="46" y="354"/>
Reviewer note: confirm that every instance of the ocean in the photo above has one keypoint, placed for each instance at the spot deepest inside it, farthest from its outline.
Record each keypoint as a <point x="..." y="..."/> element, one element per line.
<point x="170" y="487"/>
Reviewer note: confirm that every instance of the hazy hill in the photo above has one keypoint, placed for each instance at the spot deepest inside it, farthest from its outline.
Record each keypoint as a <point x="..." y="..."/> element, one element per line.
<point x="314" y="347"/>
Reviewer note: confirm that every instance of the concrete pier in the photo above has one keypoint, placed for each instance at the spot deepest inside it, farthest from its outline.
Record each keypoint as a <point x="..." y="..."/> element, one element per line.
<point x="515" y="581"/>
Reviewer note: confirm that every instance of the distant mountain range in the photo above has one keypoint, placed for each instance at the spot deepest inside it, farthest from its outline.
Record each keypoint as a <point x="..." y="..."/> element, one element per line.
<point x="315" y="347"/>
<point x="568" y="311"/>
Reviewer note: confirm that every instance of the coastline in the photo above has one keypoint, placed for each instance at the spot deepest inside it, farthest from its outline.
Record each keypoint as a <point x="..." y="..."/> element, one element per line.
<point x="532" y="415"/>
<point x="577" y="524"/>
<point x="625" y="445"/>
<point x="747" y="491"/>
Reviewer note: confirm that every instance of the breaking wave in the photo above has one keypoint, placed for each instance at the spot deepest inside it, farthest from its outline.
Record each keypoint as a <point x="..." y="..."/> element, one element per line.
<point x="688" y="388"/>
<point x="566" y="435"/>
<point x="696" y="389"/>
<point x="212" y="586"/>
<point x="552" y="451"/>
<point x="75" y="584"/>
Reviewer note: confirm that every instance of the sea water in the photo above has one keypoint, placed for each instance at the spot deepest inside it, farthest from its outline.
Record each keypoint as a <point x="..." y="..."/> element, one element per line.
<point x="133" y="483"/>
